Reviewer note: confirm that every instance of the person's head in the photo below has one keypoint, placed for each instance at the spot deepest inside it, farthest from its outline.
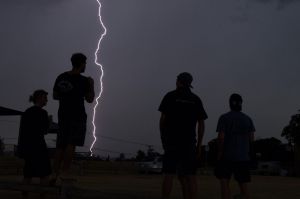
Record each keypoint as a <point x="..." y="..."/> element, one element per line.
<point x="184" y="80"/>
<point x="235" y="102"/>
<point x="78" y="61"/>
<point x="39" y="98"/>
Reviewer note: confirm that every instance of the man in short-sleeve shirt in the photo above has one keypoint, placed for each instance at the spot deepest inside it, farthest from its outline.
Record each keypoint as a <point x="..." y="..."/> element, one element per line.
<point x="71" y="89"/>
<point x="235" y="134"/>
<point x="181" y="111"/>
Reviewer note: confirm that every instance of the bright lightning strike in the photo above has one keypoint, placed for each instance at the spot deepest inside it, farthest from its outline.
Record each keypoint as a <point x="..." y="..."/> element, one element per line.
<point x="101" y="77"/>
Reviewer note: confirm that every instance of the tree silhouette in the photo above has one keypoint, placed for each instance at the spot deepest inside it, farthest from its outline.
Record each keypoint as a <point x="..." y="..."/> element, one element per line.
<point x="292" y="131"/>
<point x="140" y="155"/>
<point x="269" y="149"/>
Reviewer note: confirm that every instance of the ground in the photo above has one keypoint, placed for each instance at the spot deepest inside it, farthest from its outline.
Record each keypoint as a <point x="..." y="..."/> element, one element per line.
<point x="138" y="186"/>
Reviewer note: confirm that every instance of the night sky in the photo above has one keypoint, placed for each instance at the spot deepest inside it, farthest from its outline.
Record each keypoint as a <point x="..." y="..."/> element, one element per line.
<point x="251" y="47"/>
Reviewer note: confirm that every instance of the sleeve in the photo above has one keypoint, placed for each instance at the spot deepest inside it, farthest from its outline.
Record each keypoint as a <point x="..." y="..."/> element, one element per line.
<point x="201" y="112"/>
<point x="164" y="105"/>
<point x="87" y="87"/>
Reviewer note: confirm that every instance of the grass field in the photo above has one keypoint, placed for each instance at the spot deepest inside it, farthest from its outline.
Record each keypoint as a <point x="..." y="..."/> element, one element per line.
<point x="120" y="180"/>
<point x="136" y="186"/>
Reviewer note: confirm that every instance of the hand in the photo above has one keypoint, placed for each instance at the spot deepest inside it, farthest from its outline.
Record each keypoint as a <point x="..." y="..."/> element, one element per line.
<point x="198" y="152"/>
<point x="91" y="82"/>
<point x="50" y="119"/>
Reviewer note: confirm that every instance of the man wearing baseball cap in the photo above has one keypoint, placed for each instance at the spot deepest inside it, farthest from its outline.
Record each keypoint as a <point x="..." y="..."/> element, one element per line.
<point x="181" y="113"/>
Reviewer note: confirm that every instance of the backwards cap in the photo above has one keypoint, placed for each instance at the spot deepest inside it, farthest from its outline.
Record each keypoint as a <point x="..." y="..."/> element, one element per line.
<point x="186" y="79"/>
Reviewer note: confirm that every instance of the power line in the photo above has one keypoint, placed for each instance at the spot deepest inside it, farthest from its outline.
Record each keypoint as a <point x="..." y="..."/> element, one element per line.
<point x="110" y="151"/>
<point x="122" y="140"/>
<point x="105" y="137"/>
<point x="128" y="141"/>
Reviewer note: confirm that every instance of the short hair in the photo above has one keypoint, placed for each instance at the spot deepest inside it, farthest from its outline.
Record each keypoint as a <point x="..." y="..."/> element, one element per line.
<point x="235" y="102"/>
<point x="77" y="59"/>
<point x="36" y="94"/>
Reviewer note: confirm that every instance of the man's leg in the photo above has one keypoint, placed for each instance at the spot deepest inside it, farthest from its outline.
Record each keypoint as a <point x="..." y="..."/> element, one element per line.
<point x="187" y="173"/>
<point x="167" y="186"/>
<point x="189" y="186"/>
<point x="68" y="157"/>
<point x="244" y="190"/>
<point x="26" y="180"/>
<point x="184" y="186"/>
<point x="192" y="185"/>
<point x="242" y="176"/>
<point x="44" y="181"/>
<point x="59" y="155"/>
<point x="225" y="189"/>
<point x="223" y="172"/>
<point x="58" y="159"/>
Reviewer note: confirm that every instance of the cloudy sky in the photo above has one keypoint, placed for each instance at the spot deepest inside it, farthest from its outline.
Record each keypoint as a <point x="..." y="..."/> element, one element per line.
<point x="247" y="46"/>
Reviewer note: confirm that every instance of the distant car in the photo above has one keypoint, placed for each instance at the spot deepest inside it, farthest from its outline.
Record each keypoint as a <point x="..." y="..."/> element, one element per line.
<point x="154" y="166"/>
<point x="269" y="168"/>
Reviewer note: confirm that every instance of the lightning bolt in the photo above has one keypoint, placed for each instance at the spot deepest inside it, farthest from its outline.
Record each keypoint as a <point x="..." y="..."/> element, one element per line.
<point x="101" y="77"/>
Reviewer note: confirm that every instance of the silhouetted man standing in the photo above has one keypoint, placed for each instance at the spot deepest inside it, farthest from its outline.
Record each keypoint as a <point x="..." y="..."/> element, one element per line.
<point x="181" y="111"/>
<point x="71" y="89"/>
<point x="235" y="134"/>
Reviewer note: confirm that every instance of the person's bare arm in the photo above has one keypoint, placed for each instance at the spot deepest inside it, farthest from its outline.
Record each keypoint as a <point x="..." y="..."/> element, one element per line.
<point x="162" y="123"/>
<point x="201" y="129"/>
<point x="251" y="146"/>
<point x="162" y="127"/>
<point x="90" y="95"/>
<point x="220" y="145"/>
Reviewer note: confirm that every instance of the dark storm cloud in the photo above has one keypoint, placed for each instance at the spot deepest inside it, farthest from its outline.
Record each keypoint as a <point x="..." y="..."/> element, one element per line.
<point x="36" y="2"/>
<point x="37" y="38"/>
<point x="147" y="45"/>
<point x="242" y="9"/>
<point x="158" y="42"/>
<point x="280" y="4"/>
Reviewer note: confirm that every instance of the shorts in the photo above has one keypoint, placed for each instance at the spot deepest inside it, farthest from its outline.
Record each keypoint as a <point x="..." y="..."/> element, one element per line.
<point x="37" y="167"/>
<point x="240" y="170"/>
<point x="71" y="132"/>
<point x="180" y="162"/>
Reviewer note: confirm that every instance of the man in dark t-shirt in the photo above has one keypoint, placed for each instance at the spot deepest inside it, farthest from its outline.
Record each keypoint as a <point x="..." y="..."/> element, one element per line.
<point x="235" y="134"/>
<point x="71" y="89"/>
<point x="181" y="111"/>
